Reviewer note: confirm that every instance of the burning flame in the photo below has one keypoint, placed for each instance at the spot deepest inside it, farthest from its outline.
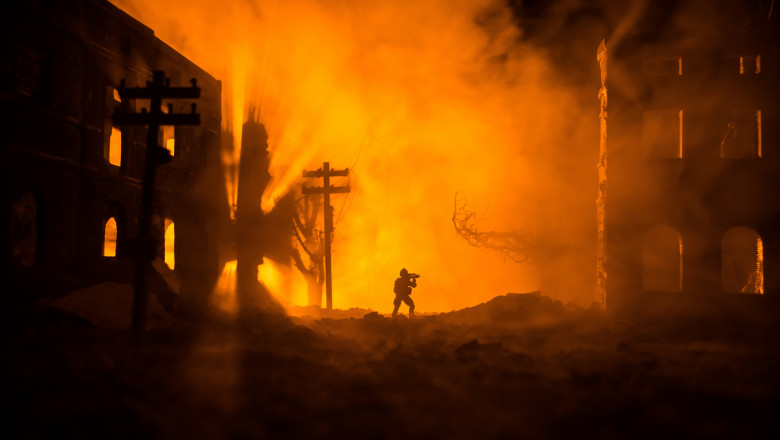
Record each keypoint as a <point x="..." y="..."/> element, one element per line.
<point x="286" y="284"/>
<point x="419" y="99"/>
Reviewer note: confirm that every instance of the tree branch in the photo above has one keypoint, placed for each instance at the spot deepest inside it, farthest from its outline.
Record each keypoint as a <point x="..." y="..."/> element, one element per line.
<point x="516" y="246"/>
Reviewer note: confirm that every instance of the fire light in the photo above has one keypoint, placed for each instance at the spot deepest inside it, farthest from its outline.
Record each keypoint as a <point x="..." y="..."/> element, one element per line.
<point x="109" y="239"/>
<point x="416" y="112"/>
<point x="170" y="239"/>
<point x="284" y="282"/>
<point x="115" y="147"/>
<point x="224" y="294"/>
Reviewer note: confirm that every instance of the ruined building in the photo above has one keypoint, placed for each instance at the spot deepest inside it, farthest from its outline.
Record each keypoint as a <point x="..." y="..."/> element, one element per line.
<point x="689" y="203"/>
<point x="71" y="180"/>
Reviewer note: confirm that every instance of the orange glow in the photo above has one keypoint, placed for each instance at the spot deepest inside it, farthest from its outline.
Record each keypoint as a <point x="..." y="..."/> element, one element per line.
<point x="419" y="101"/>
<point x="109" y="238"/>
<point x="284" y="282"/>
<point x="758" y="121"/>
<point x="115" y="147"/>
<point x="224" y="295"/>
<point x="742" y="261"/>
<point x="169" y="142"/>
<point x="170" y="239"/>
<point x="759" y="267"/>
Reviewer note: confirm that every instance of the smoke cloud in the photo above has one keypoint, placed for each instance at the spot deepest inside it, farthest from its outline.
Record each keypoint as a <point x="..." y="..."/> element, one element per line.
<point x="420" y="100"/>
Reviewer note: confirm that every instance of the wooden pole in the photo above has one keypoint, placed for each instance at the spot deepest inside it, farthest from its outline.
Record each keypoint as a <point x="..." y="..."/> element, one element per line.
<point x="145" y="240"/>
<point x="326" y="190"/>
<point x="155" y="91"/>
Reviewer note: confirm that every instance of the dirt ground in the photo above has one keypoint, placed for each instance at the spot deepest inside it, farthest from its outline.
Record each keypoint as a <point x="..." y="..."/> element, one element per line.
<point x="519" y="366"/>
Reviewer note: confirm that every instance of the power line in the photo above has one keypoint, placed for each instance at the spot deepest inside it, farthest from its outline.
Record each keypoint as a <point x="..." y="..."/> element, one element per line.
<point x="349" y="183"/>
<point x="351" y="199"/>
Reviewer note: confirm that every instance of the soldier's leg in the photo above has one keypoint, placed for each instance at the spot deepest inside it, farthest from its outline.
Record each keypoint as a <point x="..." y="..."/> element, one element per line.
<point x="396" y="305"/>
<point x="410" y="303"/>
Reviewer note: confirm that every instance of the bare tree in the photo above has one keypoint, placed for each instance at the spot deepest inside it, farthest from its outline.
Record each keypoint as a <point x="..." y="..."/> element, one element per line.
<point x="310" y="240"/>
<point x="518" y="247"/>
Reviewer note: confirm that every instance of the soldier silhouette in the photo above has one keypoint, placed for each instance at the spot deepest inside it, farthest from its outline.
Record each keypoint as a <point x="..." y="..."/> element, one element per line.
<point x="403" y="288"/>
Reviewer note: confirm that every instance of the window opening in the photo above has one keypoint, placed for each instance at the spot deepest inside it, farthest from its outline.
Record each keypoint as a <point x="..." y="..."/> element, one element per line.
<point x="113" y="154"/>
<point x="170" y="239"/>
<point x="662" y="252"/>
<point x="664" y="66"/>
<point x="750" y="64"/>
<point x="169" y="139"/>
<point x="662" y="134"/>
<point x="742" y="261"/>
<point x="115" y="147"/>
<point x="109" y="238"/>
<point x="168" y="131"/>
<point x="741" y="137"/>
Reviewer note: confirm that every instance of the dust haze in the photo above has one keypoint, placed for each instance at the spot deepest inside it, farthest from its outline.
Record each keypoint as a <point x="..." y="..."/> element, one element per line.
<point x="485" y="108"/>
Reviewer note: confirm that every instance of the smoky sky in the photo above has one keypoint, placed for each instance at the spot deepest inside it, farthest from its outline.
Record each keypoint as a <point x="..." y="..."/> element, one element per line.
<point x="497" y="100"/>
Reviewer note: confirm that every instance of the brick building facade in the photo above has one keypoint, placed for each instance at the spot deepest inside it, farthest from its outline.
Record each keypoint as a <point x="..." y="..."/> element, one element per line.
<point x="689" y="202"/>
<point x="69" y="175"/>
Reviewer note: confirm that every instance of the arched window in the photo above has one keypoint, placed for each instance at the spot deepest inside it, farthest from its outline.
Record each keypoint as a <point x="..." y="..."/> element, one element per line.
<point x="170" y="239"/>
<point x="109" y="238"/>
<point x="662" y="259"/>
<point x="24" y="229"/>
<point x="742" y="261"/>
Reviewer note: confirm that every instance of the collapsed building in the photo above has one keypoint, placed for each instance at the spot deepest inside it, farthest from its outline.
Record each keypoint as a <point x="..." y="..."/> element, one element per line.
<point x="689" y="197"/>
<point x="72" y="179"/>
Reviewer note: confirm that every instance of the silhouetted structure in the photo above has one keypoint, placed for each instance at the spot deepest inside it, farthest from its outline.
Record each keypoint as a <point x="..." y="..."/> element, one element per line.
<point x="72" y="178"/>
<point x="689" y="203"/>
<point x="251" y="238"/>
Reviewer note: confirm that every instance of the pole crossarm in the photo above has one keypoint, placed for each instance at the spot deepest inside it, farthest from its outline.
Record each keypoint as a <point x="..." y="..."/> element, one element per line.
<point x="321" y="190"/>
<point x="161" y="89"/>
<point x="329" y="172"/>
<point x="145" y="118"/>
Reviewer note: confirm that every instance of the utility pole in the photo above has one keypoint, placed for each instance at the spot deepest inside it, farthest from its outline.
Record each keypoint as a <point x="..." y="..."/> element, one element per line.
<point x="326" y="190"/>
<point x="155" y="91"/>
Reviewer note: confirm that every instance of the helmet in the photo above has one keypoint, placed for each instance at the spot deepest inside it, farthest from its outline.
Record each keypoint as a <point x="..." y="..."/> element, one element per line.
<point x="404" y="272"/>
